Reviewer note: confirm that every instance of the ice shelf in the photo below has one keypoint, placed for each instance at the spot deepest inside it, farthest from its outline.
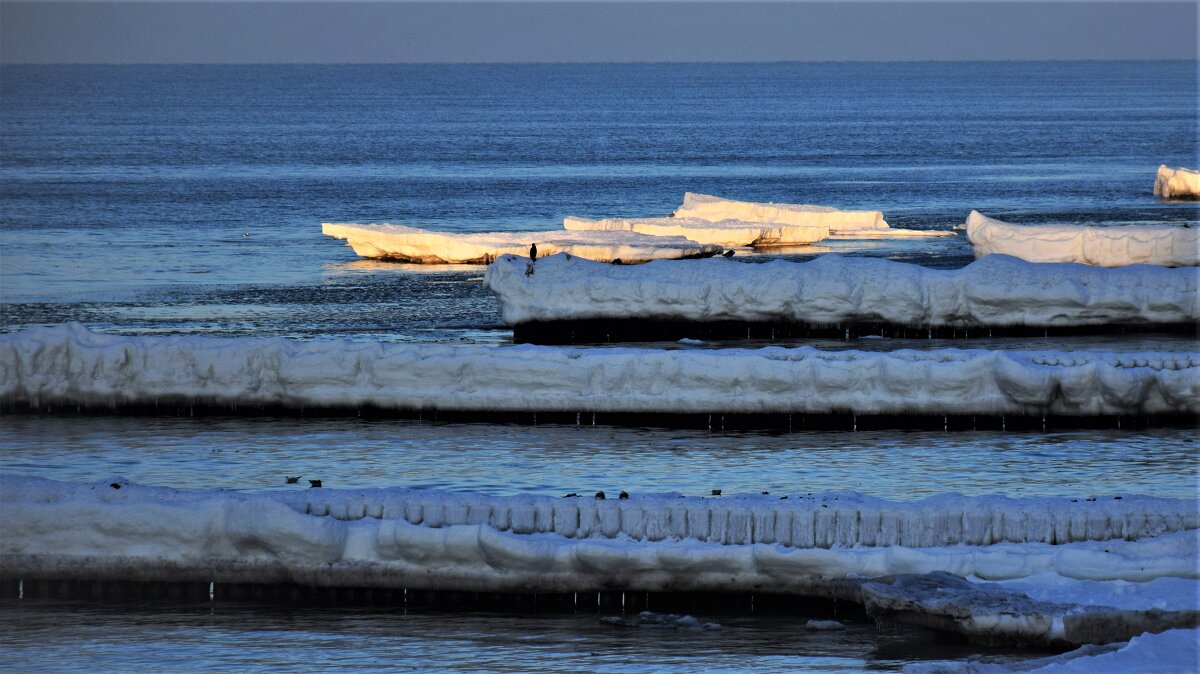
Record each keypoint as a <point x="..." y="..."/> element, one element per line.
<point x="902" y="560"/>
<point x="725" y="233"/>
<point x="410" y="244"/>
<point x="841" y="224"/>
<point x="996" y="290"/>
<point x="1177" y="183"/>
<point x="70" y="365"/>
<point x="1165" y="245"/>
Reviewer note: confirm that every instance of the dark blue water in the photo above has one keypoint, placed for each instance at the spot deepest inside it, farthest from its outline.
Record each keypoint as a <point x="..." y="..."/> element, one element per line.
<point x="189" y="200"/>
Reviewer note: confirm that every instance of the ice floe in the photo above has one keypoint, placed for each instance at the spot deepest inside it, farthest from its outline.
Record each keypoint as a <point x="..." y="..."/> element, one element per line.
<point x="70" y="365"/>
<point x="900" y="559"/>
<point x="1170" y="652"/>
<point x="410" y="244"/>
<point x="725" y="233"/>
<point x="996" y="290"/>
<point x="1166" y="245"/>
<point x="841" y="224"/>
<point x="1175" y="183"/>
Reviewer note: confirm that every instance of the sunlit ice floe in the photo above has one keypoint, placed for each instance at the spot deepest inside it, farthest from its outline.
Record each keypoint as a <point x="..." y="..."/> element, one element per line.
<point x="1170" y="652"/>
<point x="997" y="290"/>
<point x="1166" y="245"/>
<point x="725" y="233"/>
<point x="841" y="224"/>
<point x="1177" y="183"/>
<point x="410" y="244"/>
<point x="900" y="559"/>
<point x="70" y="365"/>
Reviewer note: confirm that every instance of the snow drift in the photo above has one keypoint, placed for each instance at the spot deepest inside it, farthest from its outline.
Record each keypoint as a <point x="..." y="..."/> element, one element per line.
<point x="410" y="244"/>
<point x="994" y="291"/>
<point x="398" y="538"/>
<point x="69" y="365"/>
<point x="1166" y="245"/>
<point x="841" y="224"/>
<point x="1175" y="183"/>
<point x="725" y="233"/>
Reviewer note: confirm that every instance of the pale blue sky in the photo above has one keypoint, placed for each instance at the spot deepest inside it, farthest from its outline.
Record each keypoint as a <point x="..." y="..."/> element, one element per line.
<point x="419" y="32"/>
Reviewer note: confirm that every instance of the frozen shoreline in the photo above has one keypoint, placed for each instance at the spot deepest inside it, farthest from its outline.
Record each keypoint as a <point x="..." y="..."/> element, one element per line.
<point x="1170" y="246"/>
<point x="68" y="365"/>
<point x="901" y="560"/>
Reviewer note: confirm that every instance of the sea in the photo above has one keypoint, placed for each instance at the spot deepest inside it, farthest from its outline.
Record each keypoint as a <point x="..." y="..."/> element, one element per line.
<point x="188" y="200"/>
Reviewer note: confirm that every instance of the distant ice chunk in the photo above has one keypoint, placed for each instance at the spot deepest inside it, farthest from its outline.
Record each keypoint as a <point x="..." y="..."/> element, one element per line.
<point x="841" y="224"/>
<point x="726" y="233"/>
<point x="824" y="626"/>
<point x="1164" y="245"/>
<point x="994" y="291"/>
<point x="660" y="620"/>
<point x="1177" y="183"/>
<point x="410" y="244"/>
<point x="70" y="365"/>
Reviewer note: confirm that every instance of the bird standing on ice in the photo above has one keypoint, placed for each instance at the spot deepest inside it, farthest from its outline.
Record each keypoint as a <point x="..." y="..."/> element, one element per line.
<point x="532" y="251"/>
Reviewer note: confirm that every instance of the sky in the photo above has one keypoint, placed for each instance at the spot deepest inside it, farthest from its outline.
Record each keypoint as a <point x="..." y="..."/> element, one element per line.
<point x="228" y="31"/>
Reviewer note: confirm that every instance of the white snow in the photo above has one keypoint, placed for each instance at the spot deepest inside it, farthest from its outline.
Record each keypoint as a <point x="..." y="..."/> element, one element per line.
<point x="725" y="233"/>
<point x="1164" y="594"/>
<point x="1169" y="652"/>
<point x="441" y="540"/>
<point x="841" y="224"/>
<point x="70" y="365"/>
<point x="1166" y="245"/>
<point x="1177" y="182"/>
<point x="410" y="244"/>
<point x="996" y="290"/>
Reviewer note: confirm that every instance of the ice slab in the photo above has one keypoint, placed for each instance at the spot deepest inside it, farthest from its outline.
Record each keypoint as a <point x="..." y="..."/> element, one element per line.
<point x="70" y="365"/>
<point x="806" y="544"/>
<point x="725" y="233"/>
<point x="1177" y="183"/>
<point x="996" y="290"/>
<point x="1169" y="652"/>
<point x="1166" y="245"/>
<point x="841" y="224"/>
<point x="410" y="244"/>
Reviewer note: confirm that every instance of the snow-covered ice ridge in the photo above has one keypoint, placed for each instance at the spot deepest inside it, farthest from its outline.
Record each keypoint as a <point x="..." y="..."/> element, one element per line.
<point x="841" y="224"/>
<point x="996" y="290"/>
<point x="725" y="233"/>
<point x="1174" y="183"/>
<point x="1166" y="245"/>
<point x="70" y="365"/>
<point x="805" y="544"/>
<point x="410" y="244"/>
<point x="831" y="535"/>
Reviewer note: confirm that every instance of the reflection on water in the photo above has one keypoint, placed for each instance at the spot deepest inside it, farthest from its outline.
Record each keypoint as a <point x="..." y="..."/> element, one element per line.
<point x="90" y="637"/>
<point x="255" y="453"/>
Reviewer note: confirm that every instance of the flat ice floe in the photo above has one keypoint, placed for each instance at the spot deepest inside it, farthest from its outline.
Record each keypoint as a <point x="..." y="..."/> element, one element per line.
<point x="1175" y="183"/>
<point x="70" y="365"/>
<point x="842" y="545"/>
<point x="841" y="224"/>
<point x="1170" y="652"/>
<point x="994" y="291"/>
<point x="725" y="233"/>
<point x="410" y="244"/>
<point x="1166" y="245"/>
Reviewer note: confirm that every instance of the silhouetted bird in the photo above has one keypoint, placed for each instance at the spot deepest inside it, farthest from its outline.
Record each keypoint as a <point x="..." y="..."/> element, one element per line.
<point x="115" y="485"/>
<point x="533" y="251"/>
<point x="766" y="492"/>
<point x="624" y="496"/>
<point x="314" y="483"/>
<point x="292" y="480"/>
<point x="716" y="492"/>
<point x="600" y="496"/>
<point x="616" y="260"/>
<point x="571" y="495"/>
<point x="729" y="253"/>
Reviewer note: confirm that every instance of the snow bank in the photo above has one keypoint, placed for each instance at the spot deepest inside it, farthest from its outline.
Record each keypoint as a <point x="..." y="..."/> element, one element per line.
<point x="439" y="540"/>
<point x="409" y="244"/>
<point x="1166" y="245"/>
<point x="841" y="224"/>
<point x="1177" y="182"/>
<point x="69" y="365"/>
<point x="1170" y="652"/>
<point x="725" y="233"/>
<point x="994" y="291"/>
